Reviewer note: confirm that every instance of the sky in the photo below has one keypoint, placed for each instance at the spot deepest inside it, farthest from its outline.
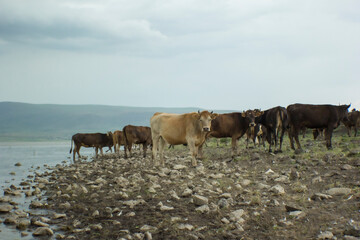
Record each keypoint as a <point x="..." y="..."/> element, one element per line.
<point x="211" y="54"/>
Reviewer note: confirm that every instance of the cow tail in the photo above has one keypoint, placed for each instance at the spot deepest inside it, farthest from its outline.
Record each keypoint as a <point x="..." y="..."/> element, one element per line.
<point x="71" y="145"/>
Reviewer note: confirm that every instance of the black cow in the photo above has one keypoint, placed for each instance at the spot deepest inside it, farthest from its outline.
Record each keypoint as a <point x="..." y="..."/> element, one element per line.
<point x="96" y="140"/>
<point x="136" y="135"/>
<point x="276" y="121"/>
<point x="352" y="121"/>
<point x="233" y="125"/>
<point x="327" y="117"/>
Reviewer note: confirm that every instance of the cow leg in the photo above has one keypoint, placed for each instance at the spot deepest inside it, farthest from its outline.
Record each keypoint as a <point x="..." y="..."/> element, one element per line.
<point x="96" y="152"/>
<point x="291" y="138"/>
<point x="200" y="151"/>
<point x="155" y="140"/>
<point x="328" y="135"/>
<point x="281" y="140"/>
<point x="144" y="150"/>
<point x="233" y="146"/>
<point x="355" y="129"/>
<point x="269" y="139"/>
<point x="162" y="144"/>
<point x="296" y="136"/>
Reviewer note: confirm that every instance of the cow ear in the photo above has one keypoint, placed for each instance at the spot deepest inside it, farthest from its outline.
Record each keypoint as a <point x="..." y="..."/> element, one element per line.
<point x="243" y="114"/>
<point x="214" y="115"/>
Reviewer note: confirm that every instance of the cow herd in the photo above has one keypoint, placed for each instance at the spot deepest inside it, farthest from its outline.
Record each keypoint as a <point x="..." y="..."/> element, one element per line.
<point x="192" y="129"/>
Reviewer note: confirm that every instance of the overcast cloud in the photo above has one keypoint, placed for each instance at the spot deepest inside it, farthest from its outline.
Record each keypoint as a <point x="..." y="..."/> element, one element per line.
<point x="235" y="54"/>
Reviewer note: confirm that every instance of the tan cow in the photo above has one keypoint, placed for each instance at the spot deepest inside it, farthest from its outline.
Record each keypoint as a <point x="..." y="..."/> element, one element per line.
<point x="118" y="139"/>
<point x="175" y="129"/>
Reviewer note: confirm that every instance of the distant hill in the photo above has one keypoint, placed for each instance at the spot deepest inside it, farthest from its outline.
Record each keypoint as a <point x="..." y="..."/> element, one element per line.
<point x="36" y="122"/>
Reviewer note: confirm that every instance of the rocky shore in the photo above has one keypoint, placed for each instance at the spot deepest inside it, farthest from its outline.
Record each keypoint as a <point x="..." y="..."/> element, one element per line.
<point x="313" y="195"/>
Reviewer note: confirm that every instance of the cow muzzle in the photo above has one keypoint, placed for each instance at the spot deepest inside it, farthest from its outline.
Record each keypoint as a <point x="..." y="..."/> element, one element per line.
<point x="206" y="129"/>
<point x="252" y="124"/>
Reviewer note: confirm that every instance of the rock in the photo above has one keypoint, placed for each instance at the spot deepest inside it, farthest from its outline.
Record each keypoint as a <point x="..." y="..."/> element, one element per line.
<point x="96" y="227"/>
<point x="347" y="167"/>
<point x="200" y="200"/>
<point x="148" y="236"/>
<point x="5" y="199"/>
<point x="187" y="192"/>
<point x="225" y="195"/>
<point x="22" y="224"/>
<point x="291" y="208"/>
<point x="24" y="234"/>
<point x="185" y="227"/>
<point x="225" y="220"/>
<point x="40" y="224"/>
<point x="6" y="208"/>
<point x="223" y="203"/>
<point x="10" y="221"/>
<point x="36" y="204"/>
<point x="236" y="215"/>
<point x="203" y="209"/>
<point x="320" y="196"/>
<point x="57" y="215"/>
<point x="325" y="235"/>
<point x="277" y="189"/>
<point x="147" y="228"/>
<point x="18" y="164"/>
<point x="179" y="167"/>
<point x="174" y="195"/>
<point x="338" y="191"/>
<point x="43" y="231"/>
<point x="245" y="182"/>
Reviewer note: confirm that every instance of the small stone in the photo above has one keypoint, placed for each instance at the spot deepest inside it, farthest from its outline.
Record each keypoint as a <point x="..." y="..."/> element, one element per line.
<point x="236" y="215"/>
<point x="22" y="224"/>
<point x="225" y="220"/>
<point x="43" y="231"/>
<point x="277" y="189"/>
<point x="6" y="208"/>
<point x="185" y="227"/>
<point x="179" y="167"/>
<point x="347" y="167"/>
<point x="18" y="164"/>
<point x="325" y="235"/>
<point x="200" y="200"/>
<point x="187" y="192"/>
<point x="338" y="191"/>
<point x="57" y="216"/>
<point x="203" y="209"/>
<point x="223" y="203"/>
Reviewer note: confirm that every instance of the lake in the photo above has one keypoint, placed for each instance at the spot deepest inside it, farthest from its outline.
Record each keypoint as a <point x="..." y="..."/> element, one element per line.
<point x="32" y="156"/>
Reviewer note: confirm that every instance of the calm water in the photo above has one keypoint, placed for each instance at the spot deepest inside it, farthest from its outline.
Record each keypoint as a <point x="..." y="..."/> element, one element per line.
<point x="32" y="156"/>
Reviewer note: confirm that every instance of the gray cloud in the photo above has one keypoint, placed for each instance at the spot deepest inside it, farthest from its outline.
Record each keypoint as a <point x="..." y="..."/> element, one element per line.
<point x="213" y="54"/>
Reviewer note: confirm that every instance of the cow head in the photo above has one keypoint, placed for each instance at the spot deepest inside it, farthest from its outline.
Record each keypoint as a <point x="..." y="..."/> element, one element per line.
<point x="205" y="118"/>
<point x="250" y="115"/>
<point x="345" y="112"/>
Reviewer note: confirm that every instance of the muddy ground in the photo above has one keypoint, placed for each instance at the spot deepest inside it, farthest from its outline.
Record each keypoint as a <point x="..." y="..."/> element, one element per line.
<point x="258" y="195"/>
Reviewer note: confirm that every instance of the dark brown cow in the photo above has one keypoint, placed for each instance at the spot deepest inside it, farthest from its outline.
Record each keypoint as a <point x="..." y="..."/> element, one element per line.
<point x="259" y="132"/>
<point x="118" y="139"/>
<point x="314" y="116"/>
<point x="233" y="125"/>
<point x="352" y="121"/>
<point x="96" y="140"/>
<point x="136" y="135"/>
<point x="275" y="120"/>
